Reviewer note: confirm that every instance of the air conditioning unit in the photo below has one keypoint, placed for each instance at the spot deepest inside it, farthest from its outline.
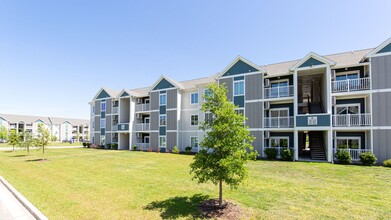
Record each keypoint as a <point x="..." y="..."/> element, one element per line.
<point x="332" y="74"/>
<point x="267" y="83"/>
<point x="138" y="115"/>
<point x="139" y="135"/>
<point x="267" y="105"/>
<point x="267" y="134"/>
<point x="334" y="100"/>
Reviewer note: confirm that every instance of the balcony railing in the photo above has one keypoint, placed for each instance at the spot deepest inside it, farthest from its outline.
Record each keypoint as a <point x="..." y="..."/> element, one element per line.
<point x="142" y="107"/>
<point x="115" y="110"/>
<point x="114" y="127"/>
<point x="351" y="85"/>
<point x="123" y="127"/>
<point x="279" y="92"/>
<point x="115" y="140"/>
<point x="142" y="127"/>
<point x="352" y="120"/>
<point x="354" y="153"/>
<point x="279" y="122"/>
<point x="142" y="146"/>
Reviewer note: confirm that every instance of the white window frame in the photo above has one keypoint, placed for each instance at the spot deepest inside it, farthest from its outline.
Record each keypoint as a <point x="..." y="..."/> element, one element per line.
<point x="206" y="114"/>
<point x="195" y="142"/>
<point x="192" y="120"/>
<point x="279" y="81"/>
<point x="93" y="109"/>
<point x="191" y="98"/>
<point x="165" y="99"/>
<point x="206" y="91"/>
<point x="346" y="74"/>
<point x="234" y="90"/>
<point x="278" y="137"/>
<point x="104" y="123"/>
<point x="103" y="103"/>
<point x="165" y="120"/>
<point x="165" y="140"/>
<point x="278" y="109"/>
<point x="347" y="105"/>
<point x="347" y="142"/>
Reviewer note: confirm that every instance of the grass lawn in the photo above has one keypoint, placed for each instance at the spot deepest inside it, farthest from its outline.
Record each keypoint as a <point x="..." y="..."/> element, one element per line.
<point x="101" y="184"/>
<point x="50" y="144"/>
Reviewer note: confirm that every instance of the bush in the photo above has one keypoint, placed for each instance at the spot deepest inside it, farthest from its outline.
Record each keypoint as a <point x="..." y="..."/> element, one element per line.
<point x="84" y="144"/>
<point x="88" y="145"/>
<point x="188" y="149"/>
<point x="149" y="149"/>
<point x="100" y="146"/>
<point x="271" y="153"/>
<point x="286" y="154"/>
<point x="387" y="163"/>
<point x="343" y="156"/>
<point x="114" y="146"/>
<point x="134" y="148"/>
<point x="108" y="146"/>
<point x="368" y="158"/>
<point x="175" y="150"/>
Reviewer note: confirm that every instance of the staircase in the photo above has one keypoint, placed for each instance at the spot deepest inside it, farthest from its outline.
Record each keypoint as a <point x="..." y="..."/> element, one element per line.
<point x="315" y="108"/>
<point x="317" y="145"/>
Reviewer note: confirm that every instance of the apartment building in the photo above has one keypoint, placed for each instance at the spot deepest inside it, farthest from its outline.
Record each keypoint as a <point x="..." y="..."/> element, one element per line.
<point x="314" y="105"/>
<point x="64" y="129"/>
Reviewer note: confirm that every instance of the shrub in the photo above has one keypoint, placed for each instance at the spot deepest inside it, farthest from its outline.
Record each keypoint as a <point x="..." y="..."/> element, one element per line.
<point x="134" y="148"/>
<point x="343" y="156"/>
<point x="387" y="163"/>
<point x="100" y="146"/>
<point x="114" y="146"/>
<point x="108" y="146"/>
<point x="175" y="150"/>
<point x="149" y="149"/>
<point x="271" y="153"/>
<point x="286" y="154"/>
<point x="188" y="149"/>
<point x="88" y="145"/>
<point x="84" y="144"/>
<point x="368" y="158"/>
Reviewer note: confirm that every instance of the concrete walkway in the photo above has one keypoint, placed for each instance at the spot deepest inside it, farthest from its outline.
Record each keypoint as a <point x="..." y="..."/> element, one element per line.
<point x="47" y="147"/>
<point x="10" y="207"/>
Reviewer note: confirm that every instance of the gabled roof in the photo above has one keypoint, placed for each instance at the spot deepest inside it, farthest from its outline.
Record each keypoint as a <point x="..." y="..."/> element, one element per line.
<point x="312" y="59"/>
<point x="252" y="66"/>
<point x="174" y="83"/>
<point x="29" y="119"/>
<point x="384" y="47"/>
<point x="110" y="92"/>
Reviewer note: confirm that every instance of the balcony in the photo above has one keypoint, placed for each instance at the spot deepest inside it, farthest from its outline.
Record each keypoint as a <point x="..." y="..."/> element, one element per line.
<point x="279" y="122"/>
<point x="142" y="127"/>
<point x="351" y="85"/>
<point x="114" y="127"/>
<point x="354" y="153"/>
<point x="115" y="110"/>
<point x="142" y="146"/>
<point x="142" y="107"/>
<point x="123" y="127"/>
<point x="352" y="120"/>
<point x="279" y="92"/>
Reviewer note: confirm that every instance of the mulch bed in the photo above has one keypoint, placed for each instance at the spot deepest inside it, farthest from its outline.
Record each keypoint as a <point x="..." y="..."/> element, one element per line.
<point x="210" y="209"/>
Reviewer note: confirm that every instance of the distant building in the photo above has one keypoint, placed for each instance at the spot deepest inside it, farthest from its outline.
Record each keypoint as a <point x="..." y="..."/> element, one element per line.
<point x="64" y="129"/>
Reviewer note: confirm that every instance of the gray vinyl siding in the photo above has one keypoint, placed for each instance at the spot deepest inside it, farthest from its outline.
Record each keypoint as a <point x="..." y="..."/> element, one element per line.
<point x="186" y="141"/>
<point x="253" y="86"/>
<point x="258" y="142"/>
<point x="154" y="140"/>
<point x="381" y="72"/>
<point x="171" y="140"/>
<point x="382" y="145"/>
<point x="108" y="138"/>
<point x="381" y="106"/>
<point x="97" y="138"/>
<point x="172" y="98"/>
<point x="185" y="99"/>
<point x="109" y="105"/>
<point x="185" y="120"/>
<point x="229" y="84"/>
<point x="254" y="114"/>
<point x="154" y="121"/>
<point x="97" y="107"/>
<point x="108" y="122"/>
<point x="172" y="120"/>
<point x="97" y="123"/>
<point x="154" y="102"/>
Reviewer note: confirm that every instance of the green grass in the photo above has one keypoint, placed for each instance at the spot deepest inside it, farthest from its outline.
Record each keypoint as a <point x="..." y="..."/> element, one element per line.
<point x="54" y="144"/>
<point x="102" y="184"/>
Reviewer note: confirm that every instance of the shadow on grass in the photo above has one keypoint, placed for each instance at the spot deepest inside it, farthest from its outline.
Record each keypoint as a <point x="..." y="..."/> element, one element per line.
<point x="37" y="160"/>
<point x="20" y="155"/>
<point x="179" y="206"/>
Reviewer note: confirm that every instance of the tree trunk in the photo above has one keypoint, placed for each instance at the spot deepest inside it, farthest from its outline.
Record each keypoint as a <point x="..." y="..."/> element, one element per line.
<point x="43" y="152"/>
<point x="13" y="147"/>
<point x="221" y="194"/>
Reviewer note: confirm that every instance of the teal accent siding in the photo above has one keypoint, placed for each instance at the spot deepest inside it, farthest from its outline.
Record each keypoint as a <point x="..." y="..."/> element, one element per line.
<point x="238" y="78"/>
<point x="311" y="62"/>
<point x="239" y="101"/>
<point x="124" y="94"/>
<point x="163" y="84"/>
<point x="162" y="131"/>
<point x="163" y="92"/>
<point x="302" y="120"/>
<point x="123" y="128"/>
<point x="102" y="131"/>
<point x="103" y="114"/>
<point x="239" y="68"/>
<point x="103" y="95"/>
<point x="162" y="110"/>
<point x="385" y="49"/>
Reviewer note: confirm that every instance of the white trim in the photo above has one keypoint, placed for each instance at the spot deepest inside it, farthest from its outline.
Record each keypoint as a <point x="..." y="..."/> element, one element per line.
<point x="197" y="141"/>
<point x="198" y="120"/>
<point x="165" y="137"/>
<point x="235" y="61"/>
<point x="160" y="79"/>
<point x="278" y="137"/>
<point x="314" y="56"/>
<point x="242" y="74"/>
<point x="347" y="105"/>
<point x="198" y="98"/>
<point x="373" y="53"/>
<point x="165" y="120"/>
<point x="163" y="94"/>
<point x="348" y="138"/>
<point x="253" y="101"/>
<point x="244" y="87"/>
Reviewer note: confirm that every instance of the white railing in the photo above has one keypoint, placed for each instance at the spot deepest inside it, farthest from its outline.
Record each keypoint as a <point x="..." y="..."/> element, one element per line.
<point x="280" y="149"/>
<point x="142" y="127"/>
<point x="354" y="153"/>
<point x="115" y="110"/>
<point x="142" y="107"/>
<point x="142" y="146"/>
<point x="279" y="92"/>
<point x="352" y="120"/>
<point x="279" y="122"/>
<point x="114" y="127"/>
<point x="350" y="85"/>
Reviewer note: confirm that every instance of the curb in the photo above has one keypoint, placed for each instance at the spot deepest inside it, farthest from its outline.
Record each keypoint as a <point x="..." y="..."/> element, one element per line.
<point x="27" y="204"/>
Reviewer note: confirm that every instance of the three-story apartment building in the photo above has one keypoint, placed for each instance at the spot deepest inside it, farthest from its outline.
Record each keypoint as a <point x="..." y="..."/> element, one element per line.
<point x="314" y="105"/>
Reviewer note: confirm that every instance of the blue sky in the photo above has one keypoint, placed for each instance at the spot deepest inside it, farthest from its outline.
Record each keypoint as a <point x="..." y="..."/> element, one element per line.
<point x="55" y="55"/>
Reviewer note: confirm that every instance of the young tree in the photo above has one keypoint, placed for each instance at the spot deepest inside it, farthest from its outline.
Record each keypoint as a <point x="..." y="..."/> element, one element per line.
<point x="29" y="141"/>
<point x="226" y="145"/>
<point x="54" y="138"/>
<point x="43" y="137"/>
<point x="3" y="133"/>
<point x="13" y="139"/>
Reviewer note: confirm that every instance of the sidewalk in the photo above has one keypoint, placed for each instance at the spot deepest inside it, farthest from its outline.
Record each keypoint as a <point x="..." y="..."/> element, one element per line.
<point x="47" y="147"/>
<point x="10" y="207"/>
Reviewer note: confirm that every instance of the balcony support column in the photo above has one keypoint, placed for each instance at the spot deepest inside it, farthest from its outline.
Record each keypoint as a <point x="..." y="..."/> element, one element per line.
<point x="296" y="145"/>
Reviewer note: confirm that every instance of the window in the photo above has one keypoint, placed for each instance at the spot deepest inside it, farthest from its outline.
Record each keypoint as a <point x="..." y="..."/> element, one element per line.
<point x="194" y="98"/>
<point x="162" y="120"/>
<point x="279" y="142"/>
<point x="347" y="109"/>
<point x="103" y="123"/>
<point x="346" y="76"/>
<point x="207" y="93"/>
<point x="162" y="99"/>
<point x="103" y="106"/>
<point x="279" y="118"/>
<point x="162" y="141"/>
<point x="194" y="119"/>
<point x="93" y="123"/>
<point x="194" y="142"/>
<point x="239" y="111"/>
<point x="208" y="118"/>
<point x="279" y="89"/>
<point x="348" y="142"/>
<point x="93" y="109"/>
<point x="238" y="88"/>
<point x="102" y="140"/>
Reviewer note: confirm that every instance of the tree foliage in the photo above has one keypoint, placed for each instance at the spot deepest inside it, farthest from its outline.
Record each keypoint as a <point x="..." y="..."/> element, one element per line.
<point x="3" y="133"/>
<point x="29" y="141"/>
<point x="43" y="138"/>
<point x="226" y="145"/>
<point x="13" y="139"/>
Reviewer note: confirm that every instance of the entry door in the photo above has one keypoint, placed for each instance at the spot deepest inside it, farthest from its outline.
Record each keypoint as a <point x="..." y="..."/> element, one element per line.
<point x="146" y="139"/>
